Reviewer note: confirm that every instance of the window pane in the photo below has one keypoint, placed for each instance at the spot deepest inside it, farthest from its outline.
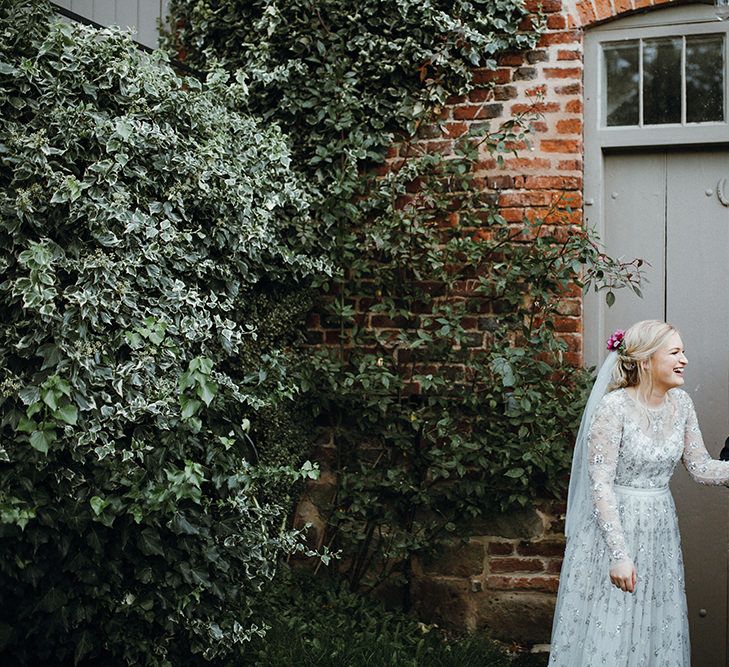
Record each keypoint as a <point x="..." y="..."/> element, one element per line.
<point x="621" y="77"/>
<point x="662" y="81"/>
<point x="704" y="78"/>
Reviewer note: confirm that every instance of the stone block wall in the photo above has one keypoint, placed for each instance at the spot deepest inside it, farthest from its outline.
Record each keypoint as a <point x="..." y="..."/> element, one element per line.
<point x="503" y="579"/>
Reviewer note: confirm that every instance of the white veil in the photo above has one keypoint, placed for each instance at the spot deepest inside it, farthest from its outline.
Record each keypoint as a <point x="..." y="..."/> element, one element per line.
<point x="579" y="498"/>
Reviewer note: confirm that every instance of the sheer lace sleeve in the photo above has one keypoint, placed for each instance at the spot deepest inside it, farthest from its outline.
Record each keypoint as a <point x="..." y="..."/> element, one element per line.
<point x="698" y="462"/>
<point x="603" y="447"/>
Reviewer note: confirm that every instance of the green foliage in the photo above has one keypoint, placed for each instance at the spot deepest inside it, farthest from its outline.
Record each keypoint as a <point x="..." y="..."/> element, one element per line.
<point x="449" y="396"/>
<point x="344" y="80"/>
<point x="320" y="625"/>
<point x="448" y="393"/>
<point x="155" y="265"/>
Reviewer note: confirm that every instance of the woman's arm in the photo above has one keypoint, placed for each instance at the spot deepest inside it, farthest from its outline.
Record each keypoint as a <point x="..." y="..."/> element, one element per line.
<point x="603" y="447"/>
<point x="698" y="462"/>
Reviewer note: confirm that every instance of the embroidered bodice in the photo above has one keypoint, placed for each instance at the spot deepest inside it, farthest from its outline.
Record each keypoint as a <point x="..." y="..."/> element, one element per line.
<point x="632" y="445"/>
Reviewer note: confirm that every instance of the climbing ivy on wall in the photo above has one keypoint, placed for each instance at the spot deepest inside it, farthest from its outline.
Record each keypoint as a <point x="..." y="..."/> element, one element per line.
<point x="445" y="390"/>
<point x="449" y="397"/>
<point x="344" y="81"/>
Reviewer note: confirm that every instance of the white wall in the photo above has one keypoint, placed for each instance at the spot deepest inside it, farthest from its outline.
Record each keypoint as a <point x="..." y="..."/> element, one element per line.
<point x="142" y="16"/>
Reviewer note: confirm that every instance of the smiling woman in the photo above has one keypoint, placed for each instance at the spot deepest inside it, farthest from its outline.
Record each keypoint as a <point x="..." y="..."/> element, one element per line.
<point x="664" y="370"/>
<point x="652" y="371"/>
<point x="621" y="597"/>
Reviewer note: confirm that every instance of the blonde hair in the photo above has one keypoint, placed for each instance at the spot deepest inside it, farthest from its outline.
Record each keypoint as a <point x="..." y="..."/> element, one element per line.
<point x="640" y="343"/>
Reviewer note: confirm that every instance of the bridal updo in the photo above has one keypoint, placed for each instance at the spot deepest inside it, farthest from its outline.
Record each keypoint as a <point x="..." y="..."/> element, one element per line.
<point x="640" y="343"/>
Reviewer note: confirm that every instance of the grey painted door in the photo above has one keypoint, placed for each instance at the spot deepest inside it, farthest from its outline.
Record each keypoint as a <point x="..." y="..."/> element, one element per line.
<point x="666" y="207"/>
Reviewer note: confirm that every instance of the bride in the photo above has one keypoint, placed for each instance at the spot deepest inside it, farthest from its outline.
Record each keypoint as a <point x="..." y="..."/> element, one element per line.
<point x="621" y="599"/>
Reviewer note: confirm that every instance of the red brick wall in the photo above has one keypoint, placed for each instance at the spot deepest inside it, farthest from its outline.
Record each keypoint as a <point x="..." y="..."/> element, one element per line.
<point x="546" y="178"/>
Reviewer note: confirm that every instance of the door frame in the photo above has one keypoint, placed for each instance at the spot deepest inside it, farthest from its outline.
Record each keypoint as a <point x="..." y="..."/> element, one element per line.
<point x="689" y="19"/>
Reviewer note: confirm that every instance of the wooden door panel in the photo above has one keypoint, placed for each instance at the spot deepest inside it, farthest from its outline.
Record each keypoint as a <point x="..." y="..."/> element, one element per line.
<point x="697" y="302"/>
<point x="656" y="207"/>
<point x="636" y="222"/>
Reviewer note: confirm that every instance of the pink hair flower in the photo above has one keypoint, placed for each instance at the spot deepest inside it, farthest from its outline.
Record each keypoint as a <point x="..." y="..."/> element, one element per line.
<point x="615" y="341"/>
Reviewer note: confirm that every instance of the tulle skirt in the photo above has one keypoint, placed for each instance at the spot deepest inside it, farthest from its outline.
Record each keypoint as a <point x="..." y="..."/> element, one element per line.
<point x="596" y="623"/>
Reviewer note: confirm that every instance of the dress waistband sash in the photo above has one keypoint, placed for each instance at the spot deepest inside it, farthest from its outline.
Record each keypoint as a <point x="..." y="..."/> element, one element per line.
<point x="640" y="491"/>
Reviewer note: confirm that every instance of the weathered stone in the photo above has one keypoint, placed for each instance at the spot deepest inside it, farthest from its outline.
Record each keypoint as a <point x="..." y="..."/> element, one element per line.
<point x="321" y="492"/>
<point x="554" y="511"/>
<point x="460" y="560"/>
<point x="429" y="131"/>
<point x="525" y="74"/>
<point x="548" y="547"/>
<point x="325" y="456"/>
<point x="307" y="518"/>
<point x="537" y="57"/>
<point x="520" y="617"/>
<point x="556" y="525"/>
<point x="391" y="592"/>
<point x="503" y="93"/>
<point x="447" y="602"/>
<point x="557" y="507"/>
<point x="520" y="524"/>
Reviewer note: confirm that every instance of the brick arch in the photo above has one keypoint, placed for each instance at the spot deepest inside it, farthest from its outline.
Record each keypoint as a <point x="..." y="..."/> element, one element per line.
<point x="583" y="13"/>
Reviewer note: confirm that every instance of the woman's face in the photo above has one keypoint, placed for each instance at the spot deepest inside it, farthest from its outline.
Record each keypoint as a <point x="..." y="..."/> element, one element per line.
<point x="668" y="363"/>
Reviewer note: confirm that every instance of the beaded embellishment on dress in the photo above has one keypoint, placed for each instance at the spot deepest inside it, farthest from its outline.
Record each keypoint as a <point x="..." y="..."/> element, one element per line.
<point x="632" y="452"/>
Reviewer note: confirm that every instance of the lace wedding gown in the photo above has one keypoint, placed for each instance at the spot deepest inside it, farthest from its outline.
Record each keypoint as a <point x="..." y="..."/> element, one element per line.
<point x="632" y="451"/>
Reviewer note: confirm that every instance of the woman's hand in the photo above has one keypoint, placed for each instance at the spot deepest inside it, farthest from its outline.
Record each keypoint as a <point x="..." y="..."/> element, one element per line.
<point x="624" y="575"/>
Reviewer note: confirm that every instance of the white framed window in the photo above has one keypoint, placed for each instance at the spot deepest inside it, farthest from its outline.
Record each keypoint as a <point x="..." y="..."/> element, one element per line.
<point x="658" y="78"/>
<point x="664" y="80"/>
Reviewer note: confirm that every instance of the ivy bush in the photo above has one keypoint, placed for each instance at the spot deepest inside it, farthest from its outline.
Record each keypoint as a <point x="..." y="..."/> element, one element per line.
<point x="344" y="81"/>
<point x="446" y="393"/>
<point x="155" y="256"/>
